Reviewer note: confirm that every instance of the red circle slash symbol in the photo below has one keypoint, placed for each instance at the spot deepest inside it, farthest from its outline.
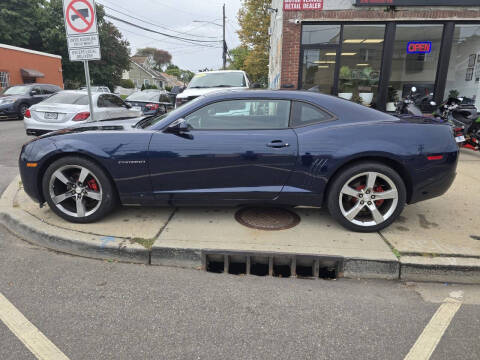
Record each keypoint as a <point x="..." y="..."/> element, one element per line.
<point x="78" y="14"/>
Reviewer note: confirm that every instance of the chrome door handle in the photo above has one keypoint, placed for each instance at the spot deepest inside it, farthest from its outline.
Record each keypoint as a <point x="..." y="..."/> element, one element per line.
<point x="277" y="144"/>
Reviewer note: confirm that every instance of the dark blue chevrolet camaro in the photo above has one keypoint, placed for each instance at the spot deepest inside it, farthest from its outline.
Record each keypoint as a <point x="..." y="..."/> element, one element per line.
<point x="247" y="147"/>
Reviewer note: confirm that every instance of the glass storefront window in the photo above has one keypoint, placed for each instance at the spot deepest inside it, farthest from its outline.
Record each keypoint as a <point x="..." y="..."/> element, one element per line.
<point x="415" y="60"/>
<point x="463" y="79"/>
<point x="321" y="34"/>
<point x="318" y="70"/>
<point x="360" y="62"/>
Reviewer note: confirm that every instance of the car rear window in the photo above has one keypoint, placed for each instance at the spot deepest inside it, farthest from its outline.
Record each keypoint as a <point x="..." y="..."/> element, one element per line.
<point x="144" y="96"/>
<point x="67" y="98"/>
<point x="220" y="79"/>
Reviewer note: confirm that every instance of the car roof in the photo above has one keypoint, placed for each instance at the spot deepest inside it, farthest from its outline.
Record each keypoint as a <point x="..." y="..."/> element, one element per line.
<point x="221" y="71"/>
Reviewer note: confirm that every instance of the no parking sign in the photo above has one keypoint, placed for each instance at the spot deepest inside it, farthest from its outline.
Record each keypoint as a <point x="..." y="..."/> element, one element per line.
<point x="81" y="27"/>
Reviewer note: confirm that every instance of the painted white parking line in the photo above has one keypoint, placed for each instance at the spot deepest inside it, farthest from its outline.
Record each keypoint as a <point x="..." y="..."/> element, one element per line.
<point x="433" y="332"/>
<point x="28" y="334"/>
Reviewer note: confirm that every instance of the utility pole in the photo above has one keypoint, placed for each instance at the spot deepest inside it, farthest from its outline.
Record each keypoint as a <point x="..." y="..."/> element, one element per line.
<point x="224" y="44"/>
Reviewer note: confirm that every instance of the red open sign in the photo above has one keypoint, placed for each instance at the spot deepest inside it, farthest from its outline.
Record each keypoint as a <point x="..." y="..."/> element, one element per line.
<point x="419" y="47"/>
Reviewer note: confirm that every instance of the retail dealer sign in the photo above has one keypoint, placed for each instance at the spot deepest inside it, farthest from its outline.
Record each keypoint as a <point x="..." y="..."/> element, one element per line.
<point x="82" y="31"/>
<point x="417" y="2"/>
<point x="293" y="5"/>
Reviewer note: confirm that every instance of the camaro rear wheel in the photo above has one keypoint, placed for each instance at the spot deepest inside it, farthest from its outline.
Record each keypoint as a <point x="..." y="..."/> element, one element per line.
<point x="367" y="197"/>
<point x="78" y="190"/>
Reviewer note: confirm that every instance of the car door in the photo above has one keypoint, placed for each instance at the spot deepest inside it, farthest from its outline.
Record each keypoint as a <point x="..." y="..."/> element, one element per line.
<point x="116" y="107"/>
<point x="234" y="151"/>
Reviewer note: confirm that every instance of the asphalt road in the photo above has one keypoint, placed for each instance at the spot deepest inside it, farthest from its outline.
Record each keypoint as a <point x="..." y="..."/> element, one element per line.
<point x="94" y="309"/>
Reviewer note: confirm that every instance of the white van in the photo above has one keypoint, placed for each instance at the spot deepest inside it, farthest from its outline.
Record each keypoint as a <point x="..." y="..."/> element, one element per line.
<point x="205" y="82"/>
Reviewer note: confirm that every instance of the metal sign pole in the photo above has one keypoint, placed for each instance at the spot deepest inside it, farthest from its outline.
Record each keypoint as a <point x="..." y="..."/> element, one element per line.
<point x="89" y="90"/>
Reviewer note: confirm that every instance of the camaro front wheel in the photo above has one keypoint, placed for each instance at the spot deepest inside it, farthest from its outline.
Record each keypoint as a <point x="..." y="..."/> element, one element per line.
<point x="367" y="197"/>
<point x="78" y="190"/>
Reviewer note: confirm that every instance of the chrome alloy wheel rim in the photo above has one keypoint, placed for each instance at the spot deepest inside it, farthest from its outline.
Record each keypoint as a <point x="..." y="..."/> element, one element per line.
<point x="75" y="191"/>
<point x="368" y="199"/>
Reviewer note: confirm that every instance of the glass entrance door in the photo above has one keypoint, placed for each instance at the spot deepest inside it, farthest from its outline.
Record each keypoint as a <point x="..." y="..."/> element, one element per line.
<point x="319" y="68"/>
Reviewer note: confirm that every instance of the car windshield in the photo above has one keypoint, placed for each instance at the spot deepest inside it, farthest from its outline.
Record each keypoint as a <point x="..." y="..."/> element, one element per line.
<point x="67" y="98"/>
<point x="144" y="96"/>
<point x="16" y="90"/>
<point x="220" y="79"/>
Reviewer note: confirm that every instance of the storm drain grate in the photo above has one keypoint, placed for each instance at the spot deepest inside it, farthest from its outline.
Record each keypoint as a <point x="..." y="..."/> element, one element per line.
<point x="267" y="218"/>
<point x="278" y="265"/>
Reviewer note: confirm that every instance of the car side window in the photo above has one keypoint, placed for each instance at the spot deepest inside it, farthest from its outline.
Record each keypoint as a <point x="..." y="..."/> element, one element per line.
<point x="114" y="101"/>
<point x="101" y="101"/>
<point x="38" y="89"/>
<point x="306" y="114"/>
<point x="241" y="115"/>
<point x="48" y="90"/>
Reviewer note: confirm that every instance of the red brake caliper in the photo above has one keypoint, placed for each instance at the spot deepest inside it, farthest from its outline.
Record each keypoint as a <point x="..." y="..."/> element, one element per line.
<point x="379" y="189"/>
<point x="92" y="184"/>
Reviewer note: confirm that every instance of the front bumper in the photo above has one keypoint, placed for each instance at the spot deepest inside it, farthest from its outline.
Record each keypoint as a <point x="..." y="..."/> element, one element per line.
<point x="9" y="112"/>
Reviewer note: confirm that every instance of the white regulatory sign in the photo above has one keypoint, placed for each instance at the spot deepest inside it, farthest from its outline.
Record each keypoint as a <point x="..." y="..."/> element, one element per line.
<point x="84" y="54"/>
<point x="81" y="28"/>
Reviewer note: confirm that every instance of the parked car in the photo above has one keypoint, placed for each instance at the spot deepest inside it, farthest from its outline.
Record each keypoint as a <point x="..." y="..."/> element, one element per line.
<point x="100" y="89"/>
<point x="206" y="82"/>
<point x="70" y="107"/>
<point x="150" y="102"/>
<point x="15" y="100"/>
<point x="248" y="147"/>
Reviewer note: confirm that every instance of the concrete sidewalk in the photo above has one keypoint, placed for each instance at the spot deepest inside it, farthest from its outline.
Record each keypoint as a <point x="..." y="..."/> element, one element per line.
<point x="437" y="240"/>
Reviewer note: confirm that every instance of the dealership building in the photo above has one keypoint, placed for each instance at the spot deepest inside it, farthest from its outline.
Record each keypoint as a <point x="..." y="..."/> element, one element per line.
<point x="375" y="51"/>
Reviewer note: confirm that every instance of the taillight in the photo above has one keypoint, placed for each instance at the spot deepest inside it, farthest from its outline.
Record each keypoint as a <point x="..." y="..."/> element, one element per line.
<point x="435" y="157"/>
<point x="152" y="106"/>
<point x="81" y="116"/>
<point x="27" y="114"/>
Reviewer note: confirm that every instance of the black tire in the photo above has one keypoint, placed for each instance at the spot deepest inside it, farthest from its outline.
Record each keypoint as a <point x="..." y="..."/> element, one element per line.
<point x="70" y="166"/>
<point x="342" y="179"/>
<point x="21" y="110"/>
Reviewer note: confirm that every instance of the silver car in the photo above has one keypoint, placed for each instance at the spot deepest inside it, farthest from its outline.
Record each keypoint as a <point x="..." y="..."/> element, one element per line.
<point x="70" y="108"/>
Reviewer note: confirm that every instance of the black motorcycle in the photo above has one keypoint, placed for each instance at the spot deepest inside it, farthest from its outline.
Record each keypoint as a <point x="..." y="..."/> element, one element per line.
<point x="409" y="105"/>
<point x="464" y="119"/>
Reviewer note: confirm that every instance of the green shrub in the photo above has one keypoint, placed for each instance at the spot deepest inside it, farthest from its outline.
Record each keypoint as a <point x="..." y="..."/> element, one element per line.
<point x="127" y="83"/>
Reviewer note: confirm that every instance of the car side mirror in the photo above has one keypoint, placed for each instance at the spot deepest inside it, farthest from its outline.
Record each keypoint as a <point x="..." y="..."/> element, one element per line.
<point x="128" y="106"/>
<point x="33" y="92"/>
<point x="179" y="126"/>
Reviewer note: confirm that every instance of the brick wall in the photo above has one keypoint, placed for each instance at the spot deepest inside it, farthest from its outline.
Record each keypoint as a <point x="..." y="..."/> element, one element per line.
<point x="292" y="32"/>
<point x="12" y="61"/>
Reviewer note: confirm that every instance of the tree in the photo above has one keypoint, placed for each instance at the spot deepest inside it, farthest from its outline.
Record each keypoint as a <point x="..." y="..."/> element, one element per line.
<point x="254" y="21"/>
<point x="238" y="56"/>
<point x="182" y="75"/>
<point x="19" y="21"/>
<point x="115" y="52"/>
<point x="161" y="57"/>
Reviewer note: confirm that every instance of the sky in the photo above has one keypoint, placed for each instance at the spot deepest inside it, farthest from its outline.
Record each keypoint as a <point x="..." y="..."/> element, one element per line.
<point x="177" y="17"/>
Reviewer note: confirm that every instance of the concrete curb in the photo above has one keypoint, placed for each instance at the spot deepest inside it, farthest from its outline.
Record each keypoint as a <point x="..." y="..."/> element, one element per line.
<point x="38" y="232"/>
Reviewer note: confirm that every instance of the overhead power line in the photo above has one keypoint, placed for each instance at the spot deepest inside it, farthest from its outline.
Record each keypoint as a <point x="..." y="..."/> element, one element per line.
<point x="157" y="25"/>
<point x="191" y="41"/>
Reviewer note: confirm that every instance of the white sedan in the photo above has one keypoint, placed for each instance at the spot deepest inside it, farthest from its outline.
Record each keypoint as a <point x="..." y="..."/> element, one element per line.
<point x="70" y="108"/>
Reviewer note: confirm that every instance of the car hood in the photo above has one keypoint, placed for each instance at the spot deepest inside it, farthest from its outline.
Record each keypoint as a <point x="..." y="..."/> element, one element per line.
<point x="10" y="97"/>
<point x="199" y="92"/>
<point x="106" y="125"/>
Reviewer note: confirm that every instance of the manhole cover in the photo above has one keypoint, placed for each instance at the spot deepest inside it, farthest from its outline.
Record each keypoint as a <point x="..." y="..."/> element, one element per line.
<point x="267" y="218"/>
